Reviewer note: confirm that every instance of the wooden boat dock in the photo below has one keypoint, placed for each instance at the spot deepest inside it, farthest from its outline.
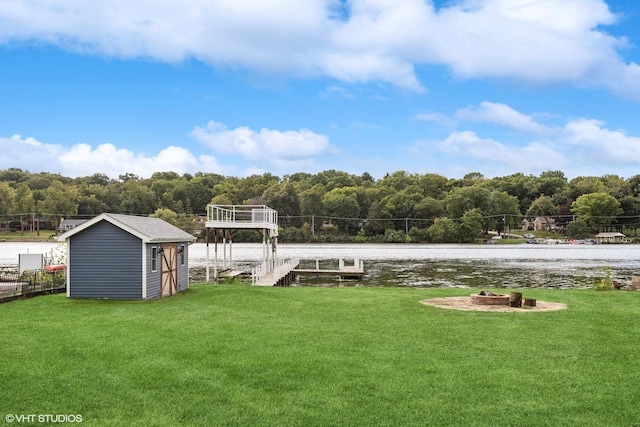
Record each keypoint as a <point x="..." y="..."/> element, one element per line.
<point x="355" y="271"/>
<point x="224" y="220"/>
<point x="286" y="271"/>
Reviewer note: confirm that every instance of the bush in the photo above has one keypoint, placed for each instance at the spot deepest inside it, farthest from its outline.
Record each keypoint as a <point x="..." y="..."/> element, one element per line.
<point x="605" y="284"/>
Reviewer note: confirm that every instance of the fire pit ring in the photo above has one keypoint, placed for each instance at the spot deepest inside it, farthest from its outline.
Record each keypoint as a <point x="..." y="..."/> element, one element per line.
<point x="488" y="298"/>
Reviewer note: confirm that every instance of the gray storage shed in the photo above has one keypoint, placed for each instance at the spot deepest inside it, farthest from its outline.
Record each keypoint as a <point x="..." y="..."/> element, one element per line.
<point x="126" y="257"/>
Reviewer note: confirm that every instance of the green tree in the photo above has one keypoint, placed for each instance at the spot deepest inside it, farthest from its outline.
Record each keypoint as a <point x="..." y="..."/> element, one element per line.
<point x="95" y="179"/>
<point x="433" y="185"/>
<point x="254" y="186"/>
<point x="630" y="211"/>
<point x="551" y="183"/>
<point x="585" y="185"/>
<point x="7" y="199"/>
<point x="283" y="198"/>
<point x="542" y="206"/>
<point x="166" y="215"/>
<point x="94" y="199"/>
<point x="342" y="205"/>
<point x="596" y="209"/>
<point x="398" y="180"/>
<point x="443" y="230"/>
<point x="460" y="200"/>
<point x="60" y="201"/>
<point x="616" y="186"/>
<point x="221" y="199"/>
<point x="429" y="208"/>
<point x="137" y="199"/>
<point x="375" y="222"/>
<point x="472" y="178"/>
<point x="196" y="193"/>
<point x="578" y="229"/>
<point x="470" y="226"/>
<point x="24" y="204"/>
<point x="228" y="188"/>
<point x="16" y="175"/>
<point x="634" y="185"/>
<point x="182" y="221"/>
<point x="401" y="204"/>
<point x="523" y="187"/>
<point x="503" y="210"/>
<point x="332" y="178"/>
<point x="311" y="206"/>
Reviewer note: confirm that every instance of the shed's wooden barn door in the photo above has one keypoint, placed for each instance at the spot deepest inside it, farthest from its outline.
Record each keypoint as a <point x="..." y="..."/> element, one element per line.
<point x="169" y="270"/>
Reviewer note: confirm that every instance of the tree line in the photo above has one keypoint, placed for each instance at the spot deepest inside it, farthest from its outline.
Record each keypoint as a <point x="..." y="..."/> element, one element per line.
<point x="337" y="206"/>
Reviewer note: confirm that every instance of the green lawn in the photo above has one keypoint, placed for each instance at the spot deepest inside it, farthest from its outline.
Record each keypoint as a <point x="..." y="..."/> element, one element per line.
<point x="235" y="355"/>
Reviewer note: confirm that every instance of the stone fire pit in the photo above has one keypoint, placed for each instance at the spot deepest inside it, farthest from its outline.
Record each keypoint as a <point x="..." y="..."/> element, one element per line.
<point x="488" y="298"/>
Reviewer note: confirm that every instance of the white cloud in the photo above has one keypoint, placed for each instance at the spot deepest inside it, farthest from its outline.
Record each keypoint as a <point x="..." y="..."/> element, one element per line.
<point x="530" y="157"/>
<point x="29" y="153"/>
<point x="503" y="115"/>
<point x="280" y="149"/>
<point x="264" y="149"/>
<point x="589" y="139"/>
<point x="550" y="41"/>
<point x="83" y="160"/>
<point x="435" y="117"/>
<point x="578" y="147"/>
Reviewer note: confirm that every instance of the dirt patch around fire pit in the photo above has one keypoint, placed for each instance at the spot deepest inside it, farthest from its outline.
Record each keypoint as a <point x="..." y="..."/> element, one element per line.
<point x="464" y="303"/>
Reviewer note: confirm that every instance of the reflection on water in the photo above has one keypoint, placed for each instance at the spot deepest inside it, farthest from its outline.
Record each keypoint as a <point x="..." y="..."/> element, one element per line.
<point x="483" y="266"/>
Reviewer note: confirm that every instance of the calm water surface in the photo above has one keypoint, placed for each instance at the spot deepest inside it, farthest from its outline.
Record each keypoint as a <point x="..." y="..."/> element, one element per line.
<point x="485" y="266"/>
<point x="536" y="266"/>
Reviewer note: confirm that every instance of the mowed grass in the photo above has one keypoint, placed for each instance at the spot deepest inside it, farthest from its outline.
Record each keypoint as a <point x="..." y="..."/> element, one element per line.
<point x="237" y="355"/>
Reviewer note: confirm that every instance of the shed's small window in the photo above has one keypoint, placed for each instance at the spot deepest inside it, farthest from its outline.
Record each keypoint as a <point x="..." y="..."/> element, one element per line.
<point x="154" y="258"/>
<point x="181" y="252"/>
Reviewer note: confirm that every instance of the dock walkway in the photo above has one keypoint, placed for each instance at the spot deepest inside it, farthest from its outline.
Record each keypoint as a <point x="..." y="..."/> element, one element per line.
<point x="355" y="271"/>
<point x="279" y="275"/>
<point x="284" y="271"/>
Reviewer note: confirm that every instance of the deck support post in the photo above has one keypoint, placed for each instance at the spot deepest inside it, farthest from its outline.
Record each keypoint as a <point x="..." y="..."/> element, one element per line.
<point x="224" y="252"/>
<point x="207" y="256"/>
<point x="230" y="250"/>
<point x="215" y="255"/>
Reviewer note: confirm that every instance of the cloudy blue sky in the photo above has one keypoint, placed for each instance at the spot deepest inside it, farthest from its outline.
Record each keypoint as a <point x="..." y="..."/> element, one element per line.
<point x="239" y="87"/>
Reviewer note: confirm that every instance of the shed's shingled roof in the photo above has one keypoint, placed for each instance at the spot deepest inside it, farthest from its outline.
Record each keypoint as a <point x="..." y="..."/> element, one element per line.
<point x="154" y="228"/>
<point x="146" y="228"/>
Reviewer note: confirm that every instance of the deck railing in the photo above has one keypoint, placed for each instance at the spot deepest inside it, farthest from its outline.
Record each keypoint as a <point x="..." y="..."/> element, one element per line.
<point x="242" y="214"/>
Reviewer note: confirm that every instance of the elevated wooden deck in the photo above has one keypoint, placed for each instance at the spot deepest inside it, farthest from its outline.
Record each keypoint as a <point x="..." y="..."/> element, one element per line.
<point x="225" y="220"/>
<point x="246" y="217"/>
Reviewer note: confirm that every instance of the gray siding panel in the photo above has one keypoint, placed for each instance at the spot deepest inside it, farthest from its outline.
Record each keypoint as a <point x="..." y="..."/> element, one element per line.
<point x="183" y="270"/>
<point x="105" y="262"/>
<point x="154" y="278"/>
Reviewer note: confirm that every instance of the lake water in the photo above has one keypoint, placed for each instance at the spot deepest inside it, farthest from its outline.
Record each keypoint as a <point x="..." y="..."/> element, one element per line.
<point x="483" y="266"/>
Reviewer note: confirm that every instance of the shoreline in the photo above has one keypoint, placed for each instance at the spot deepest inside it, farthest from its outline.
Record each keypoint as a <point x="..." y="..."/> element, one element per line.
<point x="42" y="239"/>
